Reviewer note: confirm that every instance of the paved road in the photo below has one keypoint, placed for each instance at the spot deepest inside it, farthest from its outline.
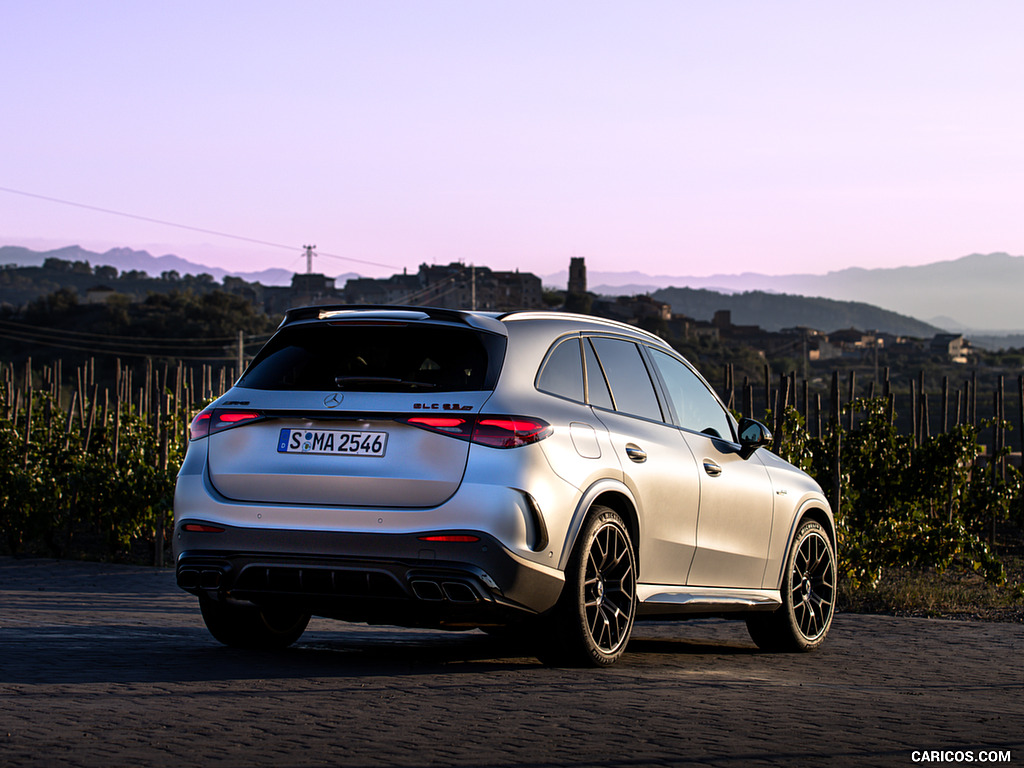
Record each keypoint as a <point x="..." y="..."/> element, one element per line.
<point x="104" y="665"/>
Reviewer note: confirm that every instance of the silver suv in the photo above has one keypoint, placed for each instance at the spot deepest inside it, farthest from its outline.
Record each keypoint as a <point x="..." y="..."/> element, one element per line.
<point x="544" y="474"/>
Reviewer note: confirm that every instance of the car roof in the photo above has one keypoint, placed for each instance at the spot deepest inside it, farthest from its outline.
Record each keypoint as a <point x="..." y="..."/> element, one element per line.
<point x="558" y="322"/>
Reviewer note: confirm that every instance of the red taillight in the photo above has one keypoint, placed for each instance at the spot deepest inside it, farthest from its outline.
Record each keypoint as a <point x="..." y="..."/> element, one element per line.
<point x="509" y="431"/>
<point x="200" y="426"/>
<point x="452" y="538"/>
<point x="217" y="419"/>
<point x="199" y="528"/>
<point x="231" y="418"/>
<point x="454" y="426"/>
<point x="438" y="422"/>
<point x="492" y="431"/>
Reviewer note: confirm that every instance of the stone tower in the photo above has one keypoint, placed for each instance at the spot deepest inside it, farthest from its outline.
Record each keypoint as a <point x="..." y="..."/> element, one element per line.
<point x="577" y="275"/>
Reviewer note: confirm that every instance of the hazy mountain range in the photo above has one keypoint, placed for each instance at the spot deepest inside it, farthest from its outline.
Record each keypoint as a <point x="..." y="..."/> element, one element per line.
<point x="775" y="311"/>
<point x="982" y="293"/>
<point x="126" y="259"/>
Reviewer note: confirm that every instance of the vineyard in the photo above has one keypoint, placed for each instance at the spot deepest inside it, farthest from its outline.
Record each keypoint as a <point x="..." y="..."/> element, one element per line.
<point x="87" y="471"/>
<point x="88" y="463"/>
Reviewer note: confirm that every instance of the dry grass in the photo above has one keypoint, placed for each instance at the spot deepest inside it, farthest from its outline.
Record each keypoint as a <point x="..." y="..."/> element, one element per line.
<point x="955" y="594"/>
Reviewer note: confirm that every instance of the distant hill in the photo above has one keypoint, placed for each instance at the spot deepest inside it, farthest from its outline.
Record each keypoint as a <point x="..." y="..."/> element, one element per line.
<point x="126" y="259"/>
<point x="774" y="311"/>
<point x="980" y="292"/>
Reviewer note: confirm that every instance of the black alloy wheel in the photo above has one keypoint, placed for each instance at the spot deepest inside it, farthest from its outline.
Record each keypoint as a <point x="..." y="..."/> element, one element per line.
<point x="594" y="619"/>
<point x="808" y="596"/>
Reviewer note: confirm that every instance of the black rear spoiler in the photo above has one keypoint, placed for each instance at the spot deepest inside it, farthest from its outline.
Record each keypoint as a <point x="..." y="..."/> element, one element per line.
<point x="479" y="320"/>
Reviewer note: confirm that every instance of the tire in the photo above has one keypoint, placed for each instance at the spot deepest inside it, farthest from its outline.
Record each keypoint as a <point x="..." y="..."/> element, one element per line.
<point x="808" y="596"/>
<point x="245" y="626"/>
<point x="593" y="620"/>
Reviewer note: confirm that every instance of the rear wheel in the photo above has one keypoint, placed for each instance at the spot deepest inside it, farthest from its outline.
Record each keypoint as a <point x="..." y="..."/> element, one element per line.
<point x="248" y="626"/>
<point x="593" y="620"/>
<point x="808" y="596"/>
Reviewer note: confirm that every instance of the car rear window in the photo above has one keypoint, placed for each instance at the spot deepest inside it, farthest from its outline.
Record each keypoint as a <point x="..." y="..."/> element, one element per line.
<point x="393" y="357"/>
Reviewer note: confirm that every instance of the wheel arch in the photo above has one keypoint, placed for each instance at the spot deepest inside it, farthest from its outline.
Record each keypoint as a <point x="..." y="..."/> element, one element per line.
<point x="614" y="495"/>
<point x="818" y="511"/>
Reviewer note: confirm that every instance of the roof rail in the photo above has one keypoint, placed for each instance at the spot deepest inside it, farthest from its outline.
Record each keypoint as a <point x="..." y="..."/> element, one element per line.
<point x="485" y="322"/>
<point x="526" y="314"/>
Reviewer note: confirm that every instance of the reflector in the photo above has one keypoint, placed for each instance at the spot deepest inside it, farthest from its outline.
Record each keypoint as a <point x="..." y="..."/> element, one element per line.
<point x="451" y="537"/>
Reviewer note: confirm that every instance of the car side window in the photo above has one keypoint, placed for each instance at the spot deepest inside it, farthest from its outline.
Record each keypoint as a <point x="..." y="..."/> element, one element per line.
<point x="562" y="373"/>
<point x="696" y="407"/>
<point x="630" y="382"/>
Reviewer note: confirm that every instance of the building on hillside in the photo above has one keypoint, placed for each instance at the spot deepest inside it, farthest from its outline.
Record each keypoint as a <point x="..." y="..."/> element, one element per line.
<point x="100" y="294"/>
<point x="632" y="309"/>
<point x="451" y="286"/>
<point x="397" y="289"/>
<point x="952" y="346"/>
<point x="519" y="290"/>
<point x="306" y="289"/>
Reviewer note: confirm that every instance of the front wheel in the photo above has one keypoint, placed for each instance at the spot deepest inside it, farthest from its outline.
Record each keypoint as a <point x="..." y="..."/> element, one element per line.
<point x="248" y="626"/>
<point x="593" y="620"/>
<point x="808" y="596"/>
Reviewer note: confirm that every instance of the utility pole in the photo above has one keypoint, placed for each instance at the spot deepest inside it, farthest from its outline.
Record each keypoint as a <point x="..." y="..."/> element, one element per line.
<point x="472" y="287"/>
<point x="309" y="258"/>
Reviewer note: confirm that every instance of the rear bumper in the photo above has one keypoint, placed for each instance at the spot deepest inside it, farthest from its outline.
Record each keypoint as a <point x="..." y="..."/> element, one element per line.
<point x="371" y="577"/>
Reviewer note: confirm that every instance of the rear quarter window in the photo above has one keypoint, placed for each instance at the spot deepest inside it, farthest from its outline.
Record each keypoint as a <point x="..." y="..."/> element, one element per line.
<point x="562" y="372"/>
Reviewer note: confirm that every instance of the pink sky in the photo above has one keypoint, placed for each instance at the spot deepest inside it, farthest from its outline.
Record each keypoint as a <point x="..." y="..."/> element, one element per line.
<point x="669" y="137"/>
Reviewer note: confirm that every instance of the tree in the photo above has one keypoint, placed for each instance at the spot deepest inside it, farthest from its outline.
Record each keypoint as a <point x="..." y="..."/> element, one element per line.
<point x="57" y="265"/>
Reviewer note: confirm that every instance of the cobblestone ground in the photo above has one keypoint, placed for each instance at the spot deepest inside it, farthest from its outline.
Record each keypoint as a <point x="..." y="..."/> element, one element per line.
<point x="104" y="665"/>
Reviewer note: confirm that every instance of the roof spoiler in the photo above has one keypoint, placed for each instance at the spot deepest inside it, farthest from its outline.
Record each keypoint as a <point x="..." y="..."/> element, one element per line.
<point x="480" y="321"/>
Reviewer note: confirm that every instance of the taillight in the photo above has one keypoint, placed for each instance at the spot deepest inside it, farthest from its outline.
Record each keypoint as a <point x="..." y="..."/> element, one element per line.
<point x="454" y="426"/>
<point x="200" y="426"/>
<point x="492" y="431"/>
<point x="509" y="431"/>
<point x="218" y="419"/>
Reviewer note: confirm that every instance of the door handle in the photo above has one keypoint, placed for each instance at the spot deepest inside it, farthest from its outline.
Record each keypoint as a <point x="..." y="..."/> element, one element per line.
<point x="711" y="468"/>
<point x="635" y="453"/>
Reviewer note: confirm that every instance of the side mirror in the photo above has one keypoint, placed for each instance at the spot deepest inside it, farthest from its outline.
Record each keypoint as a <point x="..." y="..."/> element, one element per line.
<point x="753" y="434"/>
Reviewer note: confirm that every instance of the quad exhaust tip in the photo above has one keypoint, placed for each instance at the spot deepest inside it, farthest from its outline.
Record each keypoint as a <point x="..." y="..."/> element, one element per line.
<point x="196" y="578"/>
<point x="437" y="591"/>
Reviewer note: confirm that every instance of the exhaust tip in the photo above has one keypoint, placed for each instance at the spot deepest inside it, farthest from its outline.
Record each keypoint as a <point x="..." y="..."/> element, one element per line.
<point x="188" y="578"/>
<point x="210" y="579"/>
<point x="458" y="592"/>
<point x="427" y="590"/>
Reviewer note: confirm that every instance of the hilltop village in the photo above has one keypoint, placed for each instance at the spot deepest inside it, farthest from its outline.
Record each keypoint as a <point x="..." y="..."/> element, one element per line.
<point x="459" y="286"/>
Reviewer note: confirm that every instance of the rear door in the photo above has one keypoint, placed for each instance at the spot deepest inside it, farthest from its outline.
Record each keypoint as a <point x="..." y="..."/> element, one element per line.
<point x="657" y="466"/>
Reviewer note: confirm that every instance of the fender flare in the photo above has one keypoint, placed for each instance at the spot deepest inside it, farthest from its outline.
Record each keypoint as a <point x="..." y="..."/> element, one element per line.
<point x="803" y="512"/>
<point x="590" y="495"/>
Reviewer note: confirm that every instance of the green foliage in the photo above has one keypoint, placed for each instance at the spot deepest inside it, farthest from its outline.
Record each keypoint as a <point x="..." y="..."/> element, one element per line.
<point x="904" y="505"/>
<point x="65" y="491"/>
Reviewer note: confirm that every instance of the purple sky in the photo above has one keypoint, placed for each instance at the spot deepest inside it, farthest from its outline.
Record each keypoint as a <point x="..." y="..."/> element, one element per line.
<point x="682" y="137"/>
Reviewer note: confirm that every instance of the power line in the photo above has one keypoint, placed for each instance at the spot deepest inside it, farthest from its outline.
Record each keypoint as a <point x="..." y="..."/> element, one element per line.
<point x="61" y="332"/>
<point x="112" y="352"/>
<point x="183" y="226"/>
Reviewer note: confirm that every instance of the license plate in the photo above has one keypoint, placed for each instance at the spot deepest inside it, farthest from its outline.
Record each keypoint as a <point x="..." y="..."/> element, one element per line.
<point x="335" y="442"/>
